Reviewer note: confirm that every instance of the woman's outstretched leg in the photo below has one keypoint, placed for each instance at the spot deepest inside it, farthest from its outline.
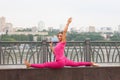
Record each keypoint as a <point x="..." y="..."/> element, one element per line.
<point x="74" y="64"/>
<point x="58" y="64"/>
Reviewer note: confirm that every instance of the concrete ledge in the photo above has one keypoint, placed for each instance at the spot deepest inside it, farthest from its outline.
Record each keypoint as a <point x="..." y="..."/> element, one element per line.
<point x="68" y="73"/>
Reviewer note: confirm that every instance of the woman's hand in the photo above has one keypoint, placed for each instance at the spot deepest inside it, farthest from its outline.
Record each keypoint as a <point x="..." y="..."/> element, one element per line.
<point x="69" y="20"/>
<point x="51" y="46"/>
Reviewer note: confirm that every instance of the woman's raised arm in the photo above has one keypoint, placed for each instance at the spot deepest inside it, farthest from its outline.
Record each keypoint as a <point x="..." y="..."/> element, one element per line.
<point x="65" y="29"/>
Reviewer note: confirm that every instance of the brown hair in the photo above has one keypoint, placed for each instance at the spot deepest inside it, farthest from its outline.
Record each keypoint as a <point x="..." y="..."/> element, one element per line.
<point x="60" y="33"/>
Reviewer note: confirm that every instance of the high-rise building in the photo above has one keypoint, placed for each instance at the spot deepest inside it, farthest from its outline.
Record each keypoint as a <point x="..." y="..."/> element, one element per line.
<point x="74" y="29"/>
<point x="2" y="23"/>
<point x="106" y="30"/>
<point x="41" y="26"/>
<point x="91" y="29"/>
<point x="8" y="27"/>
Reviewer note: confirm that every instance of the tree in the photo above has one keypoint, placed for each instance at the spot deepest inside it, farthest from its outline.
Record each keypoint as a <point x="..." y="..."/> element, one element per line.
<point x="6" y="38"/>
<point x="30" y="37"/>
<point x="74" y="36"/>
<point x="115" y="37"/>
<point x="95" y="36"/>
<point x="39" y="38"/>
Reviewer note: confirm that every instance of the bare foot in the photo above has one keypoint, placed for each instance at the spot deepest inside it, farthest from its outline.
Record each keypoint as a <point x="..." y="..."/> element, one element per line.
<point x="94" y="64"/>
<point x="27" y="64"/>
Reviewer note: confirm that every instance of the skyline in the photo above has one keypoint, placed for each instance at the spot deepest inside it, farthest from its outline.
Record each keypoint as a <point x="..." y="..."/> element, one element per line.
<point x="27" y="13"/>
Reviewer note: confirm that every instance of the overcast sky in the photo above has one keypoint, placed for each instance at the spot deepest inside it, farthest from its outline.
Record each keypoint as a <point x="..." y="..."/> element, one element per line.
<point x="98" y="13"/>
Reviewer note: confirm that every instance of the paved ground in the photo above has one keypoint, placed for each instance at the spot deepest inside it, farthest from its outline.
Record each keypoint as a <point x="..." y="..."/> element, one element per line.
<point x="23" y="66"/>
<point x="12" y="66"/>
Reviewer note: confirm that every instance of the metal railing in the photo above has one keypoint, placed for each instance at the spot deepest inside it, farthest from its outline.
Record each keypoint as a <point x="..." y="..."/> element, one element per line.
<point x="39" y="52"/>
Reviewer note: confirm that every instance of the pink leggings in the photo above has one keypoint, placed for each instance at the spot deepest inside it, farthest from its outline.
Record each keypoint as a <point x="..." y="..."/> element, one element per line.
<point x="61" y="64"/>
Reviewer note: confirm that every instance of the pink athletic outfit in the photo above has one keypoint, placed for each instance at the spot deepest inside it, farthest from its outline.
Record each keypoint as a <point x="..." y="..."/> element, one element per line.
<point x="60" y="59"/>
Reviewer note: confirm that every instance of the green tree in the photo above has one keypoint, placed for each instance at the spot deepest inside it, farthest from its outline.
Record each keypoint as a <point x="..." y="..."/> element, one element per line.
<point x="30" y="37"/>
<point x="74" y="36"/>
<point x="95" y="36"/>
<point x="115" y="37"/>
<point x="7" y="38"/>
<point x="39" y="38"/>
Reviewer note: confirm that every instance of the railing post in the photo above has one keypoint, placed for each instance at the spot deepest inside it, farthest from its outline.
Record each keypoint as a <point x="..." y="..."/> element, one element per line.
<point x="0" y="54"/>
<point x="87" y="55"/>
<point x="44" y="51"/>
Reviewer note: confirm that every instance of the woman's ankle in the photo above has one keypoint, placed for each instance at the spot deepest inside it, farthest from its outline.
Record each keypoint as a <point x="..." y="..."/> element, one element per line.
<point x="94" y="64"/>
<point x="27" y="64"/>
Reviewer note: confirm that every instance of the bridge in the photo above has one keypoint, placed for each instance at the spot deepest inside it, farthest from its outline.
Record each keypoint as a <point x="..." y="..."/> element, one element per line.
<point x="106" y="54"/>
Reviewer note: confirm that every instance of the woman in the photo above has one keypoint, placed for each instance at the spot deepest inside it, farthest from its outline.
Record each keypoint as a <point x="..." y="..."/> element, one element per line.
<point x="60" y="59"/>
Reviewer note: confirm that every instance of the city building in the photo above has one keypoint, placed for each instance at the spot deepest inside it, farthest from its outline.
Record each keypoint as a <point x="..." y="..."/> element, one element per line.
<point x="2" y="23"/>
<point x="73" y="29"/>
<point x="76" y="29"/>
<point x="16" y="29"/>
<point x="27" y="33"/>
<point x="8" y="27"/>
<point x="106" y="32"/>
<point x="4" y="26"/>
<point x="91" y="29"/>
<point x="41" y="26"/>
